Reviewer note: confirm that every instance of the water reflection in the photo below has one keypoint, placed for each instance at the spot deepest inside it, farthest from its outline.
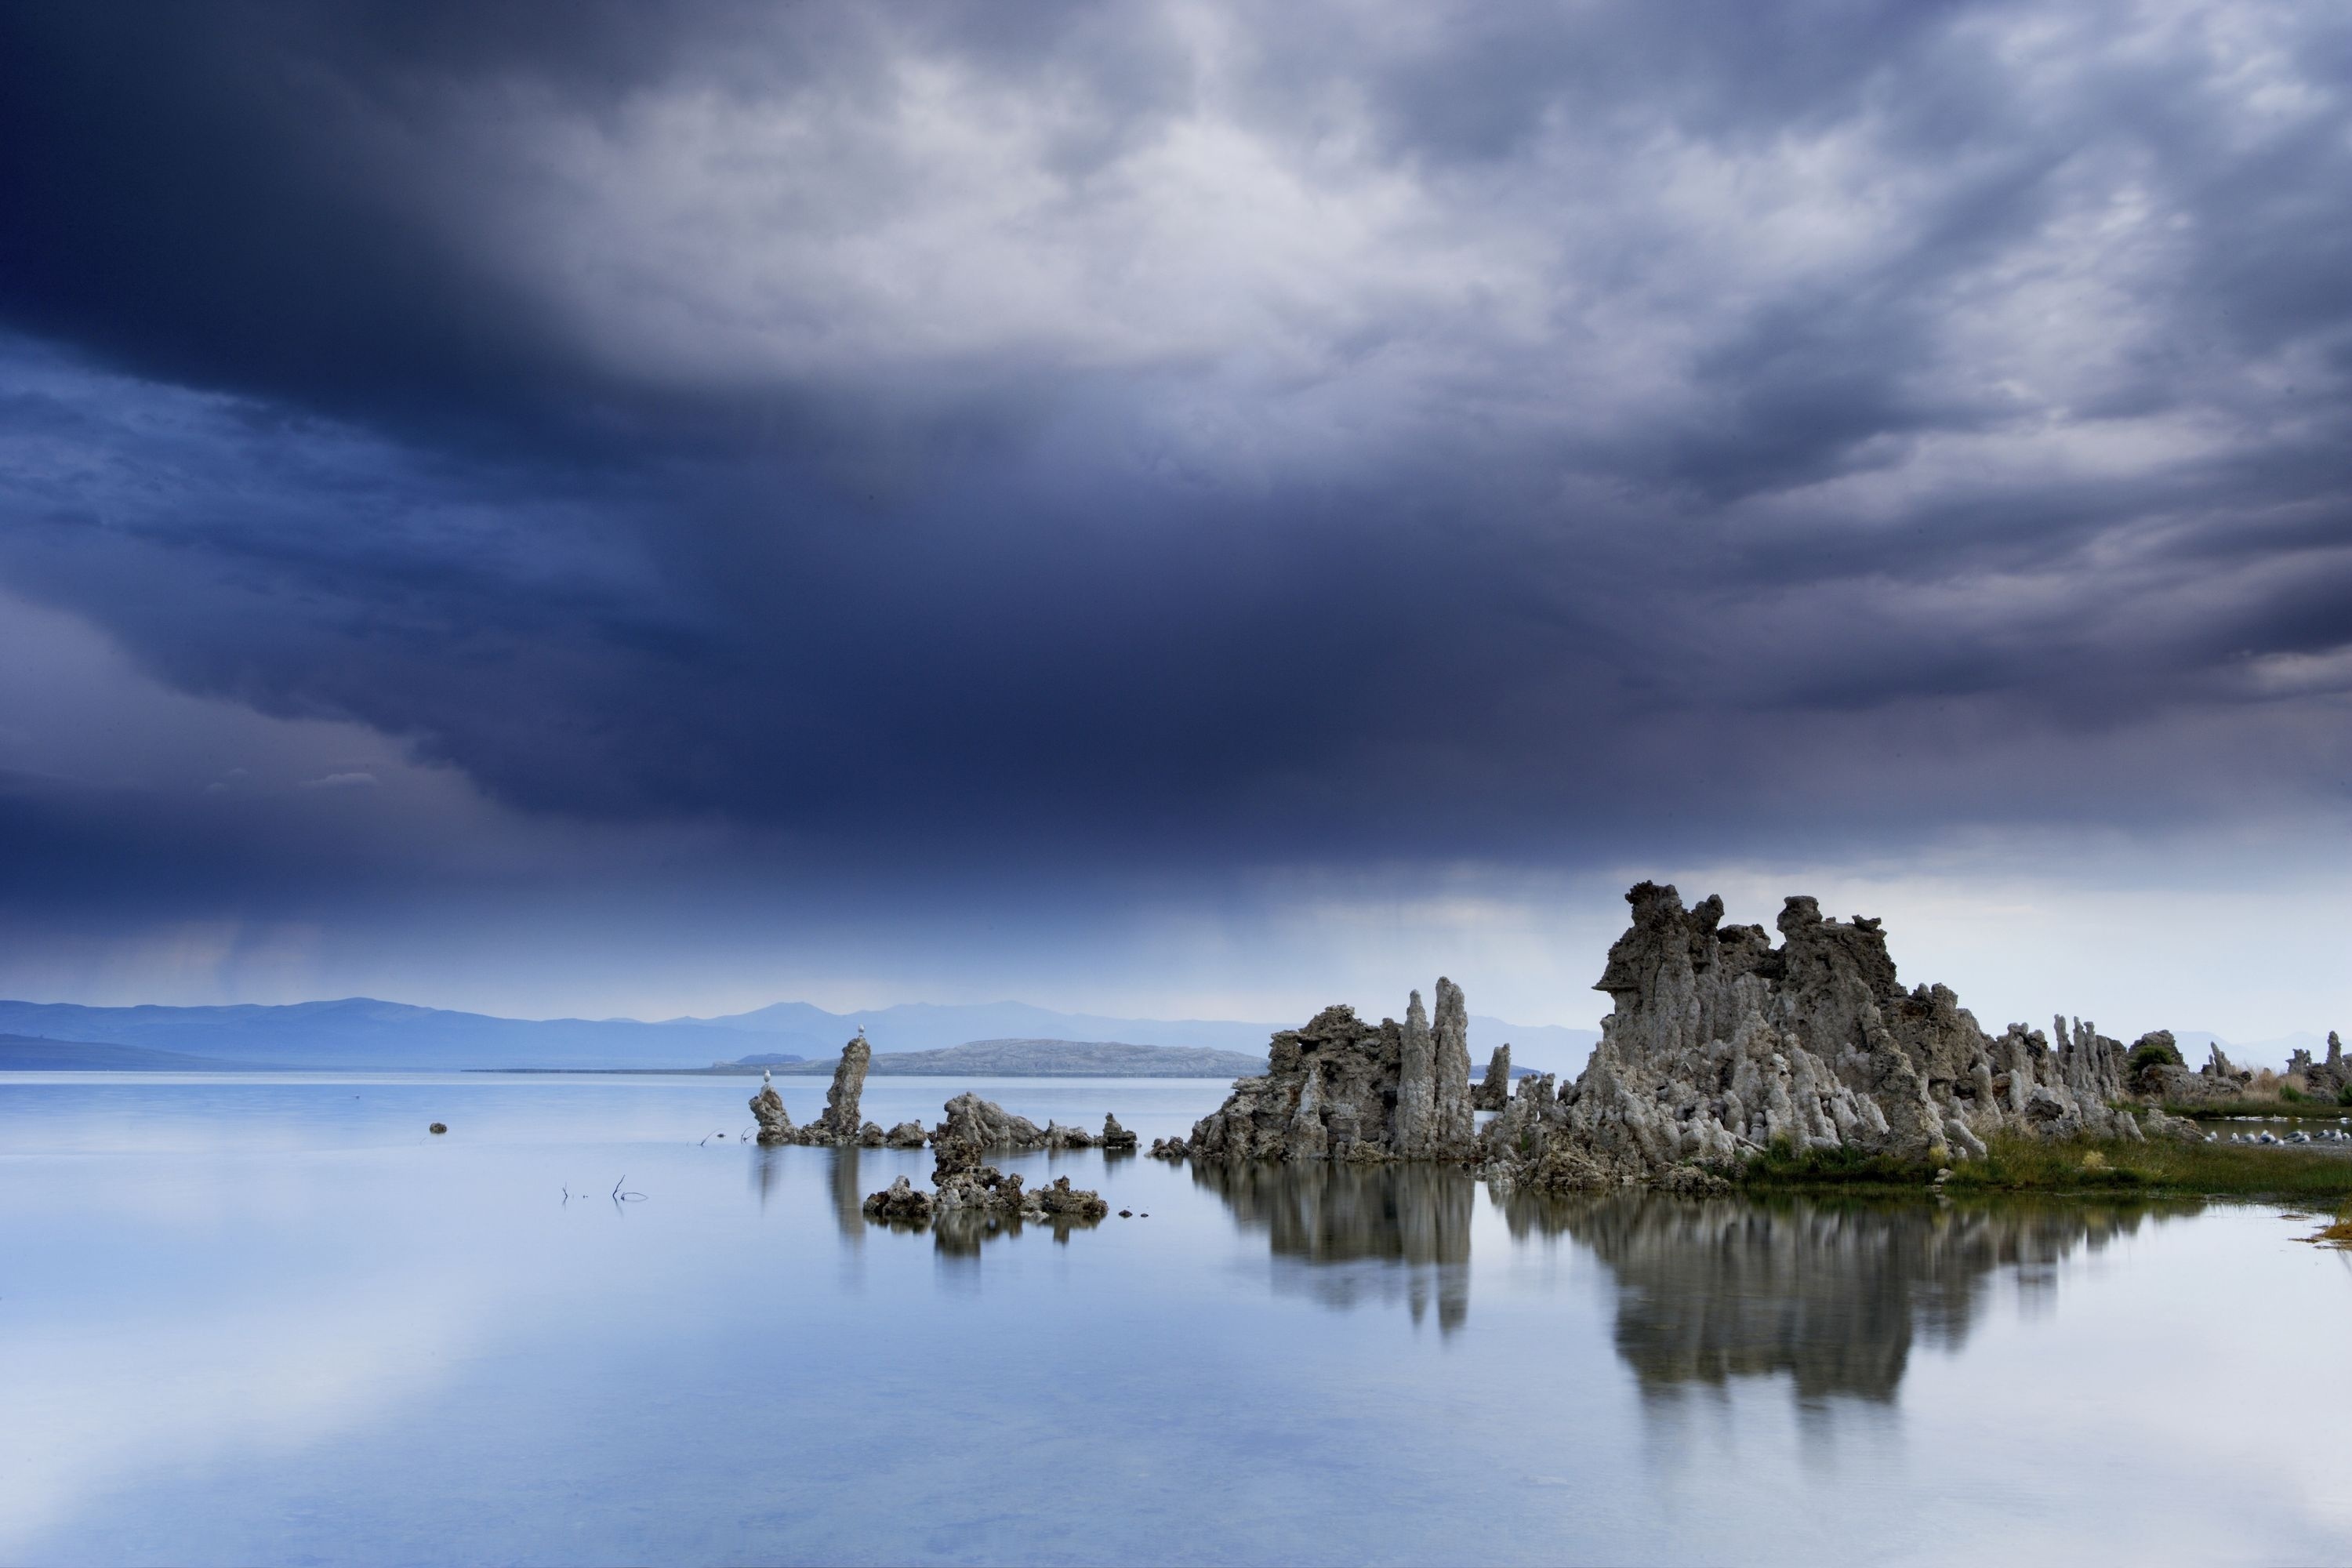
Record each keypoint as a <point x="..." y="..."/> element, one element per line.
<point x="1832" y="1293"/>
<point x="1349" y="1234"/>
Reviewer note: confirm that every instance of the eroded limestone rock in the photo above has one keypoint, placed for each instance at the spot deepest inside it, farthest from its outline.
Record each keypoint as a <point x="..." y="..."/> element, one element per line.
<point x="1722" y="1046"/>
<point x="1491" y="1092"/>
<point x="2325" y="1080"/>
<point x="980" y="1125"/>
<point x="837" y="1125"/>
<point x="901" y="1203"/>
<point x="775" y="1121"/>
<point x="1114" y="1136"/>
<point x="1342" y="1089"/>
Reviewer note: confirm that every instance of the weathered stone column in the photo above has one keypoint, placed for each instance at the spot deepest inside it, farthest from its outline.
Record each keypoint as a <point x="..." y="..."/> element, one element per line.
<point x="1452" y="1124"/>
<point x="1409" y="1135"/>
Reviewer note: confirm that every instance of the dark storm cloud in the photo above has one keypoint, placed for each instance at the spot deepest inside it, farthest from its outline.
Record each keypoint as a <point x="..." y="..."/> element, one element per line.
<point x="1169" y="433"/>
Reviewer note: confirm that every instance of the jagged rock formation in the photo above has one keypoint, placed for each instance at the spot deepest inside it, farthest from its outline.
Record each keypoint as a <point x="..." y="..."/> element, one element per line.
<point x="905" y="1135"/>
<point x="1342" y="1089"/>
<point x="1058" y="1137"/>
<point x="1114" y="1136"/>
<point x="1491" y="1092"/>
<point x="1169" y="1149"/>
<point x="1057" y="1200"/>
<point x="977" y="1125"/>
<point x="837" y="1125"/>
<point x="775" y="1121"/>
<point x="1721" y="1046"/>
<point x="2218" y="1080"/>
<point x="899" y="1204"/>
<point x="2326" y="1079"/>
<point x="962" y="1185"/>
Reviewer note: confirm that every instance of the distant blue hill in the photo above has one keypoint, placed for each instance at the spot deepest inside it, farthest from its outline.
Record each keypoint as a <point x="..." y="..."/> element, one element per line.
<point x="26" y="1053"/>
<point x="926" y="1026"/>
<point x="361" y="1032"/>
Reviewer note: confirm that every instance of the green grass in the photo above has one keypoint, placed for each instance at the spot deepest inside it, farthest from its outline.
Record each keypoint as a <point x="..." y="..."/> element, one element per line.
<point x="2159" y="1165"/>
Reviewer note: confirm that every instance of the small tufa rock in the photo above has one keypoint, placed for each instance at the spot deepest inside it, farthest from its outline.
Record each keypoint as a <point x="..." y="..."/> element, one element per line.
<point x="1169" y="1149"/>
<point x="1492" y="1092"/>
<point x="899" y="1204"/>
<point x="1114" y="1136"/>
<point x="438" y="1127"/>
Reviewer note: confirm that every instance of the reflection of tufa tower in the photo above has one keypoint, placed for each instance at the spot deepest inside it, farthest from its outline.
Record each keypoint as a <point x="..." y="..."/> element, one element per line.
<point x="1349" y="1233"/>
<point x="1834" y="1296"/>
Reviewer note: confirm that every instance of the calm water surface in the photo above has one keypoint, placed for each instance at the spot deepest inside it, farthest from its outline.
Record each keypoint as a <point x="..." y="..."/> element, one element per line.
<point x="269" y="1319"/>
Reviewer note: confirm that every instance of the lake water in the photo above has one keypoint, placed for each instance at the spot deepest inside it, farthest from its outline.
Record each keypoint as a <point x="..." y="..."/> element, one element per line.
<point x="270" y="1319"/>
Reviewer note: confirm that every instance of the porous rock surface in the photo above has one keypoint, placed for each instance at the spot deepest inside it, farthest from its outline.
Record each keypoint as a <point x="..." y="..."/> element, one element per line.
<point x="2326" y="1079"/>
<point x="1490" y="1093"/>
<point x="1342" y="1089"/>
<point x="837" y="1125"/>
<point x="899" y="1204"/>
<point x="1114" y="1136"/>
<point x="978" y="1124"/>
<point x="1722" y="1046"/>
<point x="2219" y="1079"/>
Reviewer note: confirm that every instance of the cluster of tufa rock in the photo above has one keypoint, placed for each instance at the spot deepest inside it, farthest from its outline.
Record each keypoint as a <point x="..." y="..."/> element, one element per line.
<point x="1342" y="1089"/>
<point x="970" y="1119"/>
<point x="838" y="1126"/>
<point x="963" y="1189"/>
<point x="2328" y="1079"/>
<point x="1721" y="1046"/>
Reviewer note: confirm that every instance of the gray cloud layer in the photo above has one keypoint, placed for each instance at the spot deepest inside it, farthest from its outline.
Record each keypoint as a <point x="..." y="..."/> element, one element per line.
<point x="1193" y="434"/>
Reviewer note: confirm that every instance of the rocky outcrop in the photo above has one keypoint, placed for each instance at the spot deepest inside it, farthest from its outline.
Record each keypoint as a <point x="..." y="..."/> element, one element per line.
<point x="1057" y="1200"/>
<point x="1058" y="1137"/>
<point x="1114" y="1136"/>
<point x="1170" y="1148"/>
<point x="1340" y="1088"/>
<point x="837" y="1125"/>
<point x="979" y="1125"/>
<point x="2219" y="1081"/>
<point x="1722" y="1046"/>
<point x="901" y="1203"/>
<point x="962" y="1187"/>
<point x="775" y="1121"/>
<point x="1491" y="1092"/>
<point x="905" y="1135"/>
<point x="2327" y="1079"/>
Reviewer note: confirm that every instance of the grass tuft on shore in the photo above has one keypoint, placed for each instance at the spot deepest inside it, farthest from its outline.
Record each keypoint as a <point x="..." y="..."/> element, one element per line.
<point x="2159" y="1165"/>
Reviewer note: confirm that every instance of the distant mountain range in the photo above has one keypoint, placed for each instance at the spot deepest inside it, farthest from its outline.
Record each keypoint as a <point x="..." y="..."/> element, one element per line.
<point x="1050" y="1058"/>
<point x="30" y="1053"/>
<point x="361" y="1032"/>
